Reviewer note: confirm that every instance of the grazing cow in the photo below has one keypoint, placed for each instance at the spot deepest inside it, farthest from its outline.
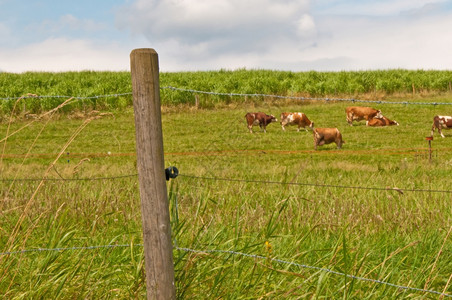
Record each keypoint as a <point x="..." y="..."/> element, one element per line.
<point x="440" y="122"/>
<point x="297" y="118"/>
<point x="260" y="119"/>
<point x="324" y="136"/>
<point x="358" y="113"/>
<point x="375" y="122"/>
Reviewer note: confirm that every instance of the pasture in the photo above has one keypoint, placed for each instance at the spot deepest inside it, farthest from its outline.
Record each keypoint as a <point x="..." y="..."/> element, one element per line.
<point x="253" y="216"/>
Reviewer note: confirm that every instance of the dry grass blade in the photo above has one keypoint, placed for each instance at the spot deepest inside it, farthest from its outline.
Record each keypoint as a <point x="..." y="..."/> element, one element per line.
<point x="16" y="229"/>
<point x="7" y="129"/>
<point x="45" y="114"/>
<point x="392" y="255"/>
<point x="26" y="155"/>
<point x="445" y="288"/>
<point x="437" y="258"/>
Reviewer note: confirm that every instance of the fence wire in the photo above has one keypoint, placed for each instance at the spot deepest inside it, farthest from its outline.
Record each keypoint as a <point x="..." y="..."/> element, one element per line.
<point x="396" y="189"/>
<point x="304" y="98"/>
<point x="193" y="91"/>
<point x="231" y="252"/>
<point x="399" y="190"/>
<point x="34" y="96"/>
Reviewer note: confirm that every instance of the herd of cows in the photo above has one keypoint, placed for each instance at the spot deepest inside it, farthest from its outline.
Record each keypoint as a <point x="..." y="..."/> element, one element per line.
<point x="324" y="136"/>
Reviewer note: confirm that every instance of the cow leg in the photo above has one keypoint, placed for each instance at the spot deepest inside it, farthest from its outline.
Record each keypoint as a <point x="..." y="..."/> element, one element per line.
<point x="440" y="132"/>
<point x="350" y="119"/>
<point x="250" y="128"/>
<point x="283" y="124"/>
<point x="319" y="142"/>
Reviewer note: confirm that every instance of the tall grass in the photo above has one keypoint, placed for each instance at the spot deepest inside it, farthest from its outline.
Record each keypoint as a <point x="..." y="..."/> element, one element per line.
<point x="370" y="84"/>
<point x="275" y="206"/>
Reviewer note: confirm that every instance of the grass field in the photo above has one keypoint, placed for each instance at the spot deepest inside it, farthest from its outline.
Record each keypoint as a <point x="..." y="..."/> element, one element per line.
<point x="376" y="209"/>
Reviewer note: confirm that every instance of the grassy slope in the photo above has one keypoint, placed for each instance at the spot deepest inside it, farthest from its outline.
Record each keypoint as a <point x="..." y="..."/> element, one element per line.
<point x="371" y="233"/>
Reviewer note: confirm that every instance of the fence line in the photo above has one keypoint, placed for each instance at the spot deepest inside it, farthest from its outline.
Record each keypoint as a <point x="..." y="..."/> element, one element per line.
<point x="315" y="268"/>
<point x="193" y="91"/>
<point x="399" y="190"/>
<point x="34" y="96"/>
<point x="396" y="189"/>
<point x="303" y="98"/>
<point x="255" y="256"/>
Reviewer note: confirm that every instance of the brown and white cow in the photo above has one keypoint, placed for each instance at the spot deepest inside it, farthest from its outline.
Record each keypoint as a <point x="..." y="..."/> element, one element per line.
<point x="440" y="122"/>
<point x="358" y="113"/>
<point x="259" y="118"/>
<point x="323" y="136"/>
<point x="375" y="122"/>
<point x="296" y="118"/>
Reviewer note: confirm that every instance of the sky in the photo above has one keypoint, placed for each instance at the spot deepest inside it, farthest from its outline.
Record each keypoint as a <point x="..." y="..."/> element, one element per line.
<point x="198" y="35"/>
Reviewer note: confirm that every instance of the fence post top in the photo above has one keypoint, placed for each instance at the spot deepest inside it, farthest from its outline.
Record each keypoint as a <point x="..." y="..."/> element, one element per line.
<point x="143" y="50"/>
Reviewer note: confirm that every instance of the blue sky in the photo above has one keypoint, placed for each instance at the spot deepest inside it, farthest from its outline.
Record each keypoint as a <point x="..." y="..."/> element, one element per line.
<point x="296" y="35"/>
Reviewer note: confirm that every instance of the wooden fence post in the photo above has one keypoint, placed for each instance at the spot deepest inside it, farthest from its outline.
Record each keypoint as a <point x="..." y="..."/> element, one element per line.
<point x="158" y="248"/>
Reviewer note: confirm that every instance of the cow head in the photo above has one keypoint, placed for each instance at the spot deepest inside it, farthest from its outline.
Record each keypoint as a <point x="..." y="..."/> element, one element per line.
<point x="273" y="119"/>
<point x="379" y="115"/>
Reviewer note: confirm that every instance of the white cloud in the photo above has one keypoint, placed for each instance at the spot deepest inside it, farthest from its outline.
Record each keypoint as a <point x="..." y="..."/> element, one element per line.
<point x="212" y="34"/>
<point x="202" y="34"/>
<point x="60" y="54"/>
<point x="238" y="24"/>
<point x="374" y="8"/>
<point x="306" y="26"/>
<point x="381" y="43"/>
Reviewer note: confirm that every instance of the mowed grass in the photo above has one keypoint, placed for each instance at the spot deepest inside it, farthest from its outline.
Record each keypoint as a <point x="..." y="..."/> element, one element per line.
<point x="375" y="209"/>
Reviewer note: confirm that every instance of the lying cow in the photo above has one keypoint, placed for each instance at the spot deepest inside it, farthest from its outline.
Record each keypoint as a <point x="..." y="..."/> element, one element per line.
<point x="375" y="122"/>
<point x="260" y="119"/>
<point x="358" y="113"/>
<point x="323" y="136"/>
<point x="297" y="118"/>
<point x="440" y="122"/>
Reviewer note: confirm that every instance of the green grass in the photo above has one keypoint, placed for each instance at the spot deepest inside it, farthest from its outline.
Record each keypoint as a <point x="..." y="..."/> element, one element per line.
<point x="376" y="234"/>
<point x="378" y="84"/>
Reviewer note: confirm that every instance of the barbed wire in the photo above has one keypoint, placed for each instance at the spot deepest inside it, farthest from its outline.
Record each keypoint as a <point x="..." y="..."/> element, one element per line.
<point x="314" y="268"/>
<point x="399" y="190"/>
<point x="231" y="252"/>
<point x="304" y="98"/>
<point x="34" y="96"/>
<point x="193" y="91"/>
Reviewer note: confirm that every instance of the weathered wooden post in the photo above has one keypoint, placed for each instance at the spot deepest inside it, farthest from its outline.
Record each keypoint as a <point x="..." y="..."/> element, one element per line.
<point x="158" y="248"/>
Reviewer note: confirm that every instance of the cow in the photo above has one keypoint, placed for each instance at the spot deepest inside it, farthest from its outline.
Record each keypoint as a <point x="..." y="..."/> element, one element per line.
<point x="375" y="122"/>
<point x="324" y="136"/>
<point x="358" y="113"/>
<point x="440" y="122"/>
<point x="297" y="118"/>
<point x="260" y="119"/>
